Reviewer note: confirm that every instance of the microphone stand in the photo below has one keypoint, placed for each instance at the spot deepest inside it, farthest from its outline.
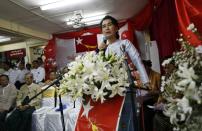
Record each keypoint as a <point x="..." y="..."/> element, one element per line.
<point x="55" y="97"/>
<point x="61" y="108"/>
<point x="27" y="100"/>
<point x="132" y="91"/>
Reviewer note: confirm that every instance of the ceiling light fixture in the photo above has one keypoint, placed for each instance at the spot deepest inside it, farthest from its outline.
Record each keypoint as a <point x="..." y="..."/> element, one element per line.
<point x="4" y="38"/>
<point x="79" y="20"/>
<point x="62" y="3"/>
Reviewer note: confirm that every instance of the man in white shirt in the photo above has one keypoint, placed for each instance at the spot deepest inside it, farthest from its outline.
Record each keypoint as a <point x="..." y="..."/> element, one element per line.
<point x="38" y="72"/>
<point x="8" y="95"/>
<point x="10" y="72"/>
<point x="21" y="75"/>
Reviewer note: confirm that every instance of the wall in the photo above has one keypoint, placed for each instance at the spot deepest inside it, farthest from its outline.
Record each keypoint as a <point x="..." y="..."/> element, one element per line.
<point x="29" y="45"/>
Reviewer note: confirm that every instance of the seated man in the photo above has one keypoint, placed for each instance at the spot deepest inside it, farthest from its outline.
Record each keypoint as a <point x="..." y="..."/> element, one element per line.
<point x="20" y="119"/>
<point x="8" y="94"/>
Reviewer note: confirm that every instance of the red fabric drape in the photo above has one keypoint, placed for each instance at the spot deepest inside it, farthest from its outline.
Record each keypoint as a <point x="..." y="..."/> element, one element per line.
<point x="164" y="28"/>
<point x="50" y="54"/>
<point x="160" y="16"/>
<point x="189" y="11"/>
<point x="143" y="19"/>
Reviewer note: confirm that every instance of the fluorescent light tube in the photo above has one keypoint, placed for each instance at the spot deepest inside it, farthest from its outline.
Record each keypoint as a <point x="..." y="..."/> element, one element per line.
<point x="69" y="23"/>
<point x="93" y="22"/>
<point x="88" y="19"/>
<point x="5" y="39"/>
<point x="94" y="14"/>
<point x="62" y="4"/>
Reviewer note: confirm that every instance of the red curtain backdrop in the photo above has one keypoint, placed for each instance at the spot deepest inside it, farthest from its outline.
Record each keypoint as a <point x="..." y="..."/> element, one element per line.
<point x="166" y="20"/>
<point x="143" y="19"/>
<point x="164" y="28"/>
<point x="160" y="17"/>
<point x="189" y="11"/>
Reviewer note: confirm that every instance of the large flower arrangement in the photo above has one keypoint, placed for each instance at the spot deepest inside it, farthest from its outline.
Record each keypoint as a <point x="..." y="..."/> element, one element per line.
<point x="95" y="75"/>
<point x="183" y="89"/>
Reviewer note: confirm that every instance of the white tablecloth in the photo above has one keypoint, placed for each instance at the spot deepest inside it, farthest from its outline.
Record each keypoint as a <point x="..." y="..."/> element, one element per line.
<point x="48" y="119"/>
<point x="50" y="102"/>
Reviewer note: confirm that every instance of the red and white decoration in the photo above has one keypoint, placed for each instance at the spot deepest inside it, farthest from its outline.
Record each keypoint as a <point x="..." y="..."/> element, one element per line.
<point x="95" y="116"/>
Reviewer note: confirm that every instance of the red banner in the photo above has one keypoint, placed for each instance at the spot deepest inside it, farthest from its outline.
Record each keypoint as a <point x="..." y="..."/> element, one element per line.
<point x="100" y="117"/>
<point x="20" y="53"/>
<point x="86" y="43"/>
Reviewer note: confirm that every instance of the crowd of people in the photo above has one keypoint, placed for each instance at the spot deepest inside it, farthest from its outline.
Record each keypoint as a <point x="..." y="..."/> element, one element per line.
<point x="16" y="84"/>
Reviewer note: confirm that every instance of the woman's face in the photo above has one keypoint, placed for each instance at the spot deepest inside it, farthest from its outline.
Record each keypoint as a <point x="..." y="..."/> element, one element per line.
<point x="52" y="76"/>
<point x="108" y="29"/>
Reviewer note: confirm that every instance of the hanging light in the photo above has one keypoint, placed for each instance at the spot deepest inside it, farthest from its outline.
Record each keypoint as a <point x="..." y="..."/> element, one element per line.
<point x="79" y="20"/>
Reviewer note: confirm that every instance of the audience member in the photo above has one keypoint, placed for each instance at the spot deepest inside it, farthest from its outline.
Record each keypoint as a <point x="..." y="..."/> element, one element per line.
<point x="21" y="75"/>
<point x="10" y="72"/>
<point x="20" y="119"/>
<point x="154" y="76"/>
<point x="51" y="78"/>
<point x="38" y="72"/>
<point x="40" y="61"/>
<point x="28" y="67"/>
<point x="8" y="94"/>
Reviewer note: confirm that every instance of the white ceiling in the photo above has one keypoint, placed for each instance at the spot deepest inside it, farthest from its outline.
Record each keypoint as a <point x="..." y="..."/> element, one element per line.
<point x="29" y="14"/>
<point x="15" y="38"/>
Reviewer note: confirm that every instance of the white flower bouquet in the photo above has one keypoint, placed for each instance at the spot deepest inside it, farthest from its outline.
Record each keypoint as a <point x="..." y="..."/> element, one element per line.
<point x="95" y="75"/>
<point x="183" y="89"/>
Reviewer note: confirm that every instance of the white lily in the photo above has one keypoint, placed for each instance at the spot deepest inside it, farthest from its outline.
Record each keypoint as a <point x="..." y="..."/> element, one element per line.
<point x="187" y="73"/>
<point x="165" y="62"/>
<point x="191" y="27"/>
<point x="199" y="49"/>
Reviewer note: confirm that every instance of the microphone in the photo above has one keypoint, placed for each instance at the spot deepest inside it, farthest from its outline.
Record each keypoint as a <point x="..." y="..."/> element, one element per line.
<point x="104" y="40"/>
<point x="123" y="49"/>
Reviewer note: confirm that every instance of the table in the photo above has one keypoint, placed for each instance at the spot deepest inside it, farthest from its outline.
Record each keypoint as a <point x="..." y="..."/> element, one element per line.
<point x="48" y="119"/>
